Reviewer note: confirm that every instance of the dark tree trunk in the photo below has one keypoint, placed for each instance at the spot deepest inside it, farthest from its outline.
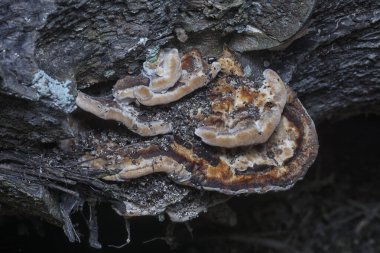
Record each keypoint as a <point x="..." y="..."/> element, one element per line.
<point x="327" y="51"/>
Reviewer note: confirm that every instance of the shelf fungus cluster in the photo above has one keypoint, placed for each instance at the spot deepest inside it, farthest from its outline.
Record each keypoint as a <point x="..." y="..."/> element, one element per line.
<point x="233" y="136"/>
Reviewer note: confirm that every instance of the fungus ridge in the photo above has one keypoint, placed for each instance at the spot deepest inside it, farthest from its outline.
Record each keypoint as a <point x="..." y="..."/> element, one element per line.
<point x="165" y="71"/>
<point x="107" y="109"/>
<point x="195" y="74"/>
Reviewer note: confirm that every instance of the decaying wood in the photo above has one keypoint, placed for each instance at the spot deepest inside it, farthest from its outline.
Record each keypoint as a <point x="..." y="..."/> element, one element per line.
<point x="327" y="52"/>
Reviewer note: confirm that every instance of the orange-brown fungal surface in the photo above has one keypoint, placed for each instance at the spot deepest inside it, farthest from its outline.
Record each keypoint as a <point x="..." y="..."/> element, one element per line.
<point x="229" y="64"/>
<point x="242" y="111"/>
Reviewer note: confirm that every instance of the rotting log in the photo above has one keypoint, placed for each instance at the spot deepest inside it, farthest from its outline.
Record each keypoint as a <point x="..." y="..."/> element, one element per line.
<point x="328" y="52"/>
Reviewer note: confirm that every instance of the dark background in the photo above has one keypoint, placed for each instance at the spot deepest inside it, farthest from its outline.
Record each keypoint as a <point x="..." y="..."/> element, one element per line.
<point x="335" y="208"/>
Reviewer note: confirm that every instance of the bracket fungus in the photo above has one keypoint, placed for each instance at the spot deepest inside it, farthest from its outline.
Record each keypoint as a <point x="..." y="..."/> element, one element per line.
<point x="193" y="71"/>
<point x="254" y="137"/>
<point x="106" y="108"/>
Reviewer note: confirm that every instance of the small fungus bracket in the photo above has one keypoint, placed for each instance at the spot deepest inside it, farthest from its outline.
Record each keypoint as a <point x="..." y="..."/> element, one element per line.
<point x="107" y="109"/>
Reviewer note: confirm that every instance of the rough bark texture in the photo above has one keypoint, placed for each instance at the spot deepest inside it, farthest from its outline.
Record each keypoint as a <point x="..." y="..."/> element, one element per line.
<point x="48" y="49"/>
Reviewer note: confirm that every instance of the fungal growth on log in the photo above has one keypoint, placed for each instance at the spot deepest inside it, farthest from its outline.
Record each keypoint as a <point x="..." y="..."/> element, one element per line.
<point x="233" y="136"/>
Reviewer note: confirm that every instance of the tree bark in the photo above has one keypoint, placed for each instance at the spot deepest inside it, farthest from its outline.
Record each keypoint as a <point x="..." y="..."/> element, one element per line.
<point x="328" y="52"/>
